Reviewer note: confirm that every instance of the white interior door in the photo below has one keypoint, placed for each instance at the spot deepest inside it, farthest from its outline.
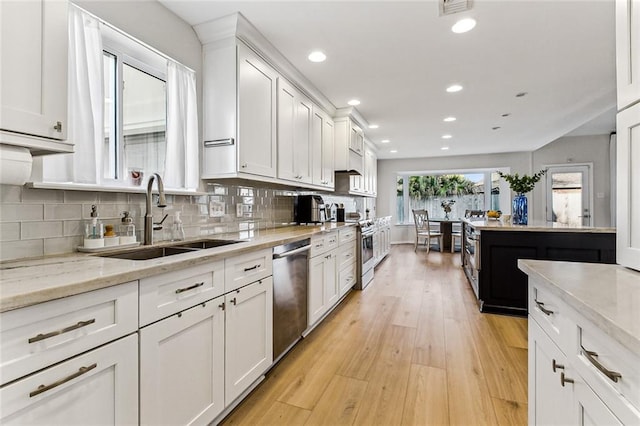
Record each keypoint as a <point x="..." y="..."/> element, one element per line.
<point x="569" y="194"/>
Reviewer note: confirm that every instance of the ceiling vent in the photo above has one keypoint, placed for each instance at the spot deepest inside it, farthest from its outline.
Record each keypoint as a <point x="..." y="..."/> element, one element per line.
<point x="449" y="7"/>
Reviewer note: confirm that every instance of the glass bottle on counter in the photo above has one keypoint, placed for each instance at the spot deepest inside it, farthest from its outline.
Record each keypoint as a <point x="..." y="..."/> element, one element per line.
<point x="127" y="229"/>
<point x="93" y="230"/>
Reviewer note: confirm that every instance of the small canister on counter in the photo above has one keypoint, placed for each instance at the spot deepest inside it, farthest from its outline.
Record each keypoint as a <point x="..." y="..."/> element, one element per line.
<point x="340" y="213"/>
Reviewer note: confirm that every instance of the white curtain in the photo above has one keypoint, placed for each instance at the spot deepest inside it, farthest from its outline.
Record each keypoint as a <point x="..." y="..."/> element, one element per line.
<point x="85" y="106"/>
<point x="181" y="164"/>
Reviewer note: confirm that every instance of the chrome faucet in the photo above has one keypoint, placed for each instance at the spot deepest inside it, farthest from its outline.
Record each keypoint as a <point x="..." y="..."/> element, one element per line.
<point x="148" y="217"/>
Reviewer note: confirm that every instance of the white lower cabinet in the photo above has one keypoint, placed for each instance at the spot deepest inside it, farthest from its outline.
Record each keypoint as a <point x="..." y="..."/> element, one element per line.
<point x="99" y="387"/>
<point x="182" y="367"/>
<point x="565" y="386"/>
<point x="248" y="336"/>
<point x="322" y="286"/>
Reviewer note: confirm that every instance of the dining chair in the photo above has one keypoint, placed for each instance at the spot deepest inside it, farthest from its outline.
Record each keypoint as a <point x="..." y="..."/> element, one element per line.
<point x="456" y="234"/>
<point x="421" y="221"/>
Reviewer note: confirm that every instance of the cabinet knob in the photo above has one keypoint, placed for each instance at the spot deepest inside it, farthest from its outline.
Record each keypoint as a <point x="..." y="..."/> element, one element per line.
<point x="244" y="166"/>
<point x="233" y="301"/>
<point x="58" y="127"/>
<point x="221" y="306"/>
<point x="555" y="366"/>
<point x="564" y="379"/>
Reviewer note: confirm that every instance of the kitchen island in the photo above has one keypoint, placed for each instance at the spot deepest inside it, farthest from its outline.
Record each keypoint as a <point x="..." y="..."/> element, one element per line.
<point x="491" y="249"/>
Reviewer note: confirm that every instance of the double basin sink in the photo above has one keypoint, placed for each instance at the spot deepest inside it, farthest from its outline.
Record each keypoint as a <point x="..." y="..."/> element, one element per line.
<point x="146" y="253"/>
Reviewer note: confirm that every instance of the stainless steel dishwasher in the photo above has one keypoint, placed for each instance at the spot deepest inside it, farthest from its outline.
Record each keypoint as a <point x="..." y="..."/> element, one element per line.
<point x="290" y="273"/>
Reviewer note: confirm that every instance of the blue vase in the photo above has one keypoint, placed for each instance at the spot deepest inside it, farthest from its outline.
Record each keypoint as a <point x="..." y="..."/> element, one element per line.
<point x="519" y="210"/>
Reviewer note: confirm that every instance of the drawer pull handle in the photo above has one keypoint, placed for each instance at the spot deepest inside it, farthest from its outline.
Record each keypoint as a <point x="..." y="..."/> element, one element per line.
<point x="252" y="268"/>
<point x="191" y="287"/>
<point x="542" y="308"/>
<point x="44" y="388"/>
<point x="80" y="324"/>
<point x="555" y="366"/>
<point x="591" y="356"/>
<point x="563" y="379"/>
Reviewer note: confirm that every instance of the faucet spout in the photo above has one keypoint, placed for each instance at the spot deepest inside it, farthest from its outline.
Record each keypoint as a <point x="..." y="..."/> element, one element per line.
<point x="162" y="203"/>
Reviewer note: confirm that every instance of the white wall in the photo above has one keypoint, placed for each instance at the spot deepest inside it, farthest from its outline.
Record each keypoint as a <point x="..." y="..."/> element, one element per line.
<point x="519" y="162"/>
<point x="579" y="149"/>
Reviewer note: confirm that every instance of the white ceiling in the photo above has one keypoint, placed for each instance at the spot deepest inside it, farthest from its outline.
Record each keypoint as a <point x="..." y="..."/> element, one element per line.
<point x="398" y="57"/>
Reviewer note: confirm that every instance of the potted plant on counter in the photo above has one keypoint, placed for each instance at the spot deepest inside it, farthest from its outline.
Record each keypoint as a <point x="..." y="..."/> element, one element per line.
<point x="521" y="185"/>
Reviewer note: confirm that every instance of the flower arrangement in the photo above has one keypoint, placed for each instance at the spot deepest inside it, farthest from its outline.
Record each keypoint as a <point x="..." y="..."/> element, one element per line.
<point x="522" y="184"/>
<point x="446" y="205"/>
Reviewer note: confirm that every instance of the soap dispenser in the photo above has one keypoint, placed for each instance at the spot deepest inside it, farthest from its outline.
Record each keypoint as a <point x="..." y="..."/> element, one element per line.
<point x="178" y="229"/>
<point x="127" y="229"/>
<point x="93" y="230"/>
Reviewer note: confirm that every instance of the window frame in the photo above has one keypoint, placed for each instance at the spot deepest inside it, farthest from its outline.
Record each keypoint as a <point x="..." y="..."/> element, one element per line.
<point x="128" y="51"/>
<point x="505" y="200"/>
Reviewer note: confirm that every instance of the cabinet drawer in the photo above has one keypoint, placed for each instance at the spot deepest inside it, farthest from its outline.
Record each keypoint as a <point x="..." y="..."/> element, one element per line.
<point x="551" y="314"/>
<point x="167" y="294"/>
<point x="347" y="234"/>
<point x="34" y="337"/>
<point x="247" y="268"/>
<point x="347" y="278"/>
<point x="346" y="254"/>
<point x="323" y="243"/>
<point x="99" y="387"/>
<point x="611" y="369"/>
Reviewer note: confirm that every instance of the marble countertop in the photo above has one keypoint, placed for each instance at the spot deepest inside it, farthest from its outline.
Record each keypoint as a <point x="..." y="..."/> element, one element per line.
<point x="533" y="226"/>
<point x="607" y="295"/>
<point x="31" y="281"/>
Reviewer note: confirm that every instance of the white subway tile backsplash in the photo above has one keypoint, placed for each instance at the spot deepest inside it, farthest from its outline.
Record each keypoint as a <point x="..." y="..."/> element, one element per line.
<point x="72" y="228"/>
<point x="61" y="245"/>
<point x="10" y="194"/>
<point x="42" y="196"/>
<point x="11" y="250"/>
<point x="9" y="231"/>
<point x="36" y="230"/>
<point x="21" y="212"/>
<point x="113" y="197"/>
<point x="63" y="211"/>
<point x="81" y="197"/>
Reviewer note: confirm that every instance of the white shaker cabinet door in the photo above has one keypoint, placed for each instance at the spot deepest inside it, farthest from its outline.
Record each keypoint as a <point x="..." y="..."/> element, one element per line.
<point x="182" y="367"/>
<point x="99" y="387"/>
<point x="256" y="114"/>
<point x="248" y="336"/>
<point x="628" y="192"/>
<point x="33" y="81"/>
<point x="628" y="52"/>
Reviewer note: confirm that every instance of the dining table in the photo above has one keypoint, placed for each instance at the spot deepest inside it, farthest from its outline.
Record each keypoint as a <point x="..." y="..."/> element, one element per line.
<point x="446" y="227"/>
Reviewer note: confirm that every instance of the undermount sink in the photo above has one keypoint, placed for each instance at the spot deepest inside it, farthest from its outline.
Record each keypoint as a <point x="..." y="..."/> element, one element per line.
<point x="146" y="253"/>
<point x="206" y="244"/>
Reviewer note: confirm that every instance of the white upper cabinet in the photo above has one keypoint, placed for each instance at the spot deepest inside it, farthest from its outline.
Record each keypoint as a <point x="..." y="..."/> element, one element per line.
<point x="239" y="109"/>
<point x="295" y="116"/>
<point x="33" y="80"/>
<point x="628" y="133"/>
<point x="322" y="143"/>
<point x="628" y="52"/>
<point x="349" y="140"/>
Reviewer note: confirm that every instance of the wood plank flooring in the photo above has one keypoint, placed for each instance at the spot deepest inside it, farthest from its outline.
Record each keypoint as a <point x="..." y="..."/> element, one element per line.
<point x="412" y="349"/>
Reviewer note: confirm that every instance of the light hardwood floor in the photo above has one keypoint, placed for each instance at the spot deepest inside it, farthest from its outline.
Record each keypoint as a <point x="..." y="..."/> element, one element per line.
<point x="412" y="349"/>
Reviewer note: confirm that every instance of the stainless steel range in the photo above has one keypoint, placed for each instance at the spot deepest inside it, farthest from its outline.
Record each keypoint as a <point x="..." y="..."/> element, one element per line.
<point x="366" y="260"/>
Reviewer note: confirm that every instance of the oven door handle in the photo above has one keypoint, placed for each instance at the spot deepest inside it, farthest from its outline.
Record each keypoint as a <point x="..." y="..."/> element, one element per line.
<point x="368" y="234"/>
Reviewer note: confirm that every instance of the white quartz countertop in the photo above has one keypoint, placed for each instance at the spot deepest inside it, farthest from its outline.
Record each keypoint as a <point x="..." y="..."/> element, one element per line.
<point x="533" y="226"/>
<point x="608" y="295"/>
<point x="31" y="281"/>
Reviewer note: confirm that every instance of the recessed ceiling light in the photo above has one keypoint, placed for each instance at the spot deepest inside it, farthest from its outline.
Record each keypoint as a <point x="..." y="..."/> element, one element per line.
<point x="449" y="119"/>
<point x="446" y="136"/>
<point x="463" y="25"/>
<point x="521" y="94"/>
<point x="393" y="151"/>
<point x="385" y="141"/>
<point x="317" y="56"/>
<point x="373" y="126"/>
<point x="444" y="148"/>
<point x="454" y="88"/>
<point x="353" y="102"/>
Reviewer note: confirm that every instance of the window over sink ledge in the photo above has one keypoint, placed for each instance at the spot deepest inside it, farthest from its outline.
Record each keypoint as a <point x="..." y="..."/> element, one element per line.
<point x="132" y="113"/>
